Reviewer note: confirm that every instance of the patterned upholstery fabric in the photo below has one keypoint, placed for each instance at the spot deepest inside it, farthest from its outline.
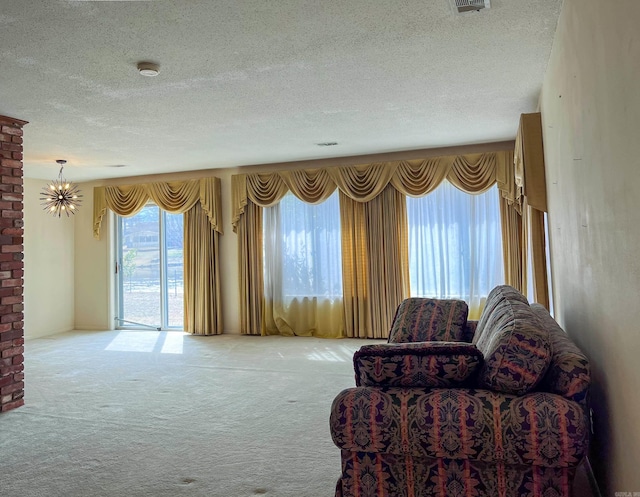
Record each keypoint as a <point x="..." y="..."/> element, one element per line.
<point x="455" y="442"/>
<point x="515" y="344"/>
<point x="391" y="475"/>
<point x="494" y="300"/>
<point x="470" y="330"/>
<point x="422" y="364"/>
<point x="426" y="320"/>
<point x="537" y="429"/>
<point x="569" y="373"/>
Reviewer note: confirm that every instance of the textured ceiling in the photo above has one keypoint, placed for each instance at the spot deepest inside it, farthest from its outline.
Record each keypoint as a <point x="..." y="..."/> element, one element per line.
<point x="255" y="81"/>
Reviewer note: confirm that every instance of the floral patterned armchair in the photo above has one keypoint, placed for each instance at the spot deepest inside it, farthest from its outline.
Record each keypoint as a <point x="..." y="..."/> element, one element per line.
<point x="445" y="409"/>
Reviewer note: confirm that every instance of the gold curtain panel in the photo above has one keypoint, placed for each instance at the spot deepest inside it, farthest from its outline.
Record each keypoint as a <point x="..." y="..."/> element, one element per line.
<point x="375" y="270"/>
<point x="176" y="197"/>
<point x="530" y="180"/>
<point x="202" y="302"/>
<point x="250" y="270"/>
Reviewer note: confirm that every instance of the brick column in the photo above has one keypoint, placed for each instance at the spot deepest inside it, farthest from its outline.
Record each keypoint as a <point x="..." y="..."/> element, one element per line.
<point x="11" y="265"/>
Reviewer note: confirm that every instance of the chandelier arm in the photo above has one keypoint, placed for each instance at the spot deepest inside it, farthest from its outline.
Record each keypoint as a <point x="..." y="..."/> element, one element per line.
<point x="61" y="196"/>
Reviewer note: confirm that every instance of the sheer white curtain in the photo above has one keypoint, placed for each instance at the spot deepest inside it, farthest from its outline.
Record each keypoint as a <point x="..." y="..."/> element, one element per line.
<point x="303" y="268"/>
<point x="455" y="245"/>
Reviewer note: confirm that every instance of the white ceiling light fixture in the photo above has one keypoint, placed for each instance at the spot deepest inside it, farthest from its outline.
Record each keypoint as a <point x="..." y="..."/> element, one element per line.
<point x="464" y="6"/>
<point x="149" y="69"/>
<point x="61" y="196"/>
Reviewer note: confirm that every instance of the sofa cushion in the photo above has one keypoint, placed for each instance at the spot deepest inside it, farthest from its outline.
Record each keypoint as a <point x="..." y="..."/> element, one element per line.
<point x="425" y="320"/>
<point x="515" y="344"/>
<point x="424" y="364"/>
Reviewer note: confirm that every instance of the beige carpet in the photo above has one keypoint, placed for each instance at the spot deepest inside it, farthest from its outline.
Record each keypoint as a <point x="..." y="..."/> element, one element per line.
<point x="167" y="414"/>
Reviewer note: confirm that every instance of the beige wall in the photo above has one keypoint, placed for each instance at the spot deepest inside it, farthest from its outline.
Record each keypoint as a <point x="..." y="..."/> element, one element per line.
<point x="48" y="267"/>
<point x="591" y="114"/>
<point x="93" y="270"/>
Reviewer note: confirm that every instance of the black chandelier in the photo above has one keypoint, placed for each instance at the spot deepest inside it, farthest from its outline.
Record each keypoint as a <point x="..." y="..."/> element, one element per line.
<point x="61" y="196"/>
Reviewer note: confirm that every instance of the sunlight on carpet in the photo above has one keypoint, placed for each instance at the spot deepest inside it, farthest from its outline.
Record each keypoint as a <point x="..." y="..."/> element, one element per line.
<point x="148" y="341"/>
<point x="147" y="413"/>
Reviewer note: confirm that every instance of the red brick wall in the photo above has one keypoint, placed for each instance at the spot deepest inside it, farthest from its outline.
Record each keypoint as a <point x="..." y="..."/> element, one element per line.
<point x="11" y="265"/>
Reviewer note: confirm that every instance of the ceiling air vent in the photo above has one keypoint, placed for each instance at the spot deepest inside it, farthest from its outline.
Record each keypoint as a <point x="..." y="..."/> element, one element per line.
<point x="463" y="6"/>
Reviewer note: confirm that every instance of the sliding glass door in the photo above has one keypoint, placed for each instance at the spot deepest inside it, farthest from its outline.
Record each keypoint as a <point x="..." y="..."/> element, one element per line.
<point x="150" y="270"/>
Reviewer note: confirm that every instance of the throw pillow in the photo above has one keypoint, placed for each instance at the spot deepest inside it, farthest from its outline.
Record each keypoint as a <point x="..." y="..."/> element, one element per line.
<point x="497" y="296"/>
<point x="425" y="364"/>
<point x="426" y="320"/>
<point x="516" y="348"/>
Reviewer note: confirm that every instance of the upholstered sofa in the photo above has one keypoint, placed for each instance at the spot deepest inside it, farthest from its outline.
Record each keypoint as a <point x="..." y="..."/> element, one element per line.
<point x="453" y="408"/>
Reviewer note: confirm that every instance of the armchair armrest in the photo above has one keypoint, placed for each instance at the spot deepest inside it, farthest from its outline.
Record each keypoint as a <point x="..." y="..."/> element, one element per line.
<point x="419" y="364"/>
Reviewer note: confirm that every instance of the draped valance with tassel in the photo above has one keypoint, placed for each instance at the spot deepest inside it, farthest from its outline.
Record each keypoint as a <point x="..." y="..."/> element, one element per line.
<point x="200" y="202"/>
<point x="474" y="173"/>
<point x="176" y="197"/>
<point x="373" y="218"/>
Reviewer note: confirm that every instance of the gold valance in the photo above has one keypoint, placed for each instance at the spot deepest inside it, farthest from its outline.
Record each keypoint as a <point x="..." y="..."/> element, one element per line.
<point x="176" y="197"/>
<point x="473" y="173"/>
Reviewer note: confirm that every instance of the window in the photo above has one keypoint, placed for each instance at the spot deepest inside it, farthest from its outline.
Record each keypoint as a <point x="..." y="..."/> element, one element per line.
<point x="303" y="266"/>
<point x="455" y="245"/>
<point x="302" y="248"/>
<point x="150" y="269"/>
<point x="530" y="293"/>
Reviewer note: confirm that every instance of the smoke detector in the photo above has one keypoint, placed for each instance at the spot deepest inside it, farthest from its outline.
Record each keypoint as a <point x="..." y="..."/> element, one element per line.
<point x="148" y="69"/>
<point x="464" y="6"/>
